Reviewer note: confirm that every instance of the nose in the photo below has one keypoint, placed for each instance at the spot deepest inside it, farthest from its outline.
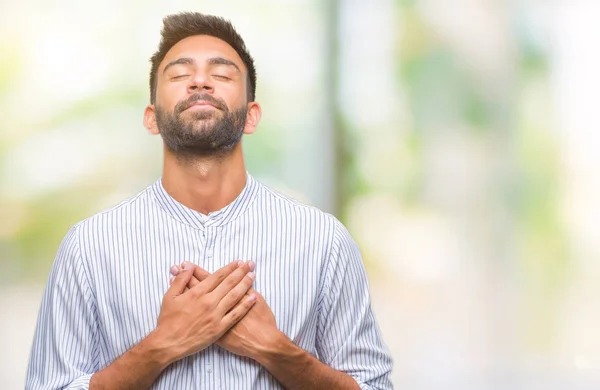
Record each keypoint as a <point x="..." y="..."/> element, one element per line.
<point x="200" y="83"/>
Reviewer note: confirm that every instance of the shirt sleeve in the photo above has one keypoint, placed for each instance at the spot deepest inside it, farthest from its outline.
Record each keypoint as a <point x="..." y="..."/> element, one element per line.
<point x="348" y="338"/>
<point x="64" y="351"/>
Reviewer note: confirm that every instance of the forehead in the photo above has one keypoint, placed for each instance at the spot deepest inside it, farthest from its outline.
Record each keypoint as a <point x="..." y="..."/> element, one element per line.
<point x="201" y="48"/>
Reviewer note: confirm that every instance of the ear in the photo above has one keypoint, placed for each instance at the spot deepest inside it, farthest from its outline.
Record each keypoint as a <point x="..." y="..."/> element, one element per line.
<point x="150" y="120"/>
<point x="252" y="118"/>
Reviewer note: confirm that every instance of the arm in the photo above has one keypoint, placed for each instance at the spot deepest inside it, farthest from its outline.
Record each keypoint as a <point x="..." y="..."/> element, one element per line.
<point x="189" y="321"/>
<point x="137" y="368"/>
<point x="256" y="336"/>
<point x="295" y="368"/>
<point x="348" y="337"/>
<point x="65" y="341"/>
<point x="350" y="349"/>
<point x="65" y="347"/>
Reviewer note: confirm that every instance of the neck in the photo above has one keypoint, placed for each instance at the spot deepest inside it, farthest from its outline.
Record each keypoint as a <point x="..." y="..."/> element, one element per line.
<point x="205" y="184"/>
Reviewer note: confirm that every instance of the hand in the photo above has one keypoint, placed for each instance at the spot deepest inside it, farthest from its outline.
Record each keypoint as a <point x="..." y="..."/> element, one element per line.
<point x="191" y="320"/>
<point x="256" y="329"/>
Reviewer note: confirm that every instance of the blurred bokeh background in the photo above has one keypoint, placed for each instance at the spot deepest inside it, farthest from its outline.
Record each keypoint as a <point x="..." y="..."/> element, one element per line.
<point x="457" y="140"/>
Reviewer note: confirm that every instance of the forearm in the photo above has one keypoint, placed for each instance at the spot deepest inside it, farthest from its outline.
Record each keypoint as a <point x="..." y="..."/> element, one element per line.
<point x="295" y="368"/>
<point x="136" y="369"/>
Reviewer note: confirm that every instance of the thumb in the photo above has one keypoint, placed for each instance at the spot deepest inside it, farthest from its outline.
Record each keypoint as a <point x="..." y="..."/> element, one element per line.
<point x="180" y="282"/>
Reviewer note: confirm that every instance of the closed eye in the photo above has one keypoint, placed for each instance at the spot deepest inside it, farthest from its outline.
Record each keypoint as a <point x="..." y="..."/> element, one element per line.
<point x="221" y="77"/>
<point x="179" y="77"/>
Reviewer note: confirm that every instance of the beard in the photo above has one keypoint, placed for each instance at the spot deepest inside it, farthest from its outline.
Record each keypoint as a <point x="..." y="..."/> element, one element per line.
<point x="192" y="134"/>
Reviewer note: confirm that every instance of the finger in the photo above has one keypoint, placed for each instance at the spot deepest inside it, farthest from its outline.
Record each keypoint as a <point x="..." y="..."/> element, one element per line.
<point x="175" y="270"/>
<point x="186" y="287"/>
<point x="259" y="297"/>
<point x="201" y="273"/>
<point x="251" y="290"/>
<point x="237" y="293"/>
<point x="239" y="311"/>
<point x="180" y="283"/>
<point x="231" y="281"/>
<point x="214" y="280"/>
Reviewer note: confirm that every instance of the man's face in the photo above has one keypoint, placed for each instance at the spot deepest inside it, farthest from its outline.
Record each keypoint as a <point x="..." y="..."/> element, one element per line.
<point x="201" y="104"/>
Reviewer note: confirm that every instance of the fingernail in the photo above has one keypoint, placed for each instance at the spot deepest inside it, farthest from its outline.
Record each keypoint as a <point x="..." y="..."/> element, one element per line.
<point x="187" y="265"/>
<point x="251" y="275"/>
<point x="171" y="280"/>
<point x="251" y="265"/>
<point x="253" y="297"/>
<point x="174" y="270"/>
<point x="240" y="263"/>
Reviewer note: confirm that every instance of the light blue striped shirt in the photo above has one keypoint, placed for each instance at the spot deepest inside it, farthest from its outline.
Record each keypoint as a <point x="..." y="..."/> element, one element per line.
<point x="107" y="282"/>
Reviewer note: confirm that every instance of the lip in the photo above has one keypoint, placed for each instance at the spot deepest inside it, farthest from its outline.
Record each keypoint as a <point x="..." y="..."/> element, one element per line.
<point x="200" y="104"/>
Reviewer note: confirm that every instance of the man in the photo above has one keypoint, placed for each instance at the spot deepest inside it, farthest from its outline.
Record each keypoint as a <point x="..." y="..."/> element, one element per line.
<point x="295" y="313"/>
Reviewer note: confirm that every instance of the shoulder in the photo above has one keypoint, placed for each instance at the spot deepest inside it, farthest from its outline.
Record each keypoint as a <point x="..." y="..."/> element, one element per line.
<point x="123" y="213"/>
<point x="313" y="222"/>
<point x="284" y="207"/>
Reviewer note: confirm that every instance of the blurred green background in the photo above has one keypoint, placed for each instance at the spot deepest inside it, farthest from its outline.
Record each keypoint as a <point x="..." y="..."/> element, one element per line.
<point x="457" y="140"/>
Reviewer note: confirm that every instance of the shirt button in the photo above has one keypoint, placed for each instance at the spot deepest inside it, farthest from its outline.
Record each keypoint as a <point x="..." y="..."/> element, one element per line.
<point x="209" y="370"/>
<point x="209" y="254"/>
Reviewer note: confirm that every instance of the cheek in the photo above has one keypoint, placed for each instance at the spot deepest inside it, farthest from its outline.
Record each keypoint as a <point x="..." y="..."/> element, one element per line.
<point x="168" y="105"/>
<point x="235" y="97"/>
<point x="169" y="94"/>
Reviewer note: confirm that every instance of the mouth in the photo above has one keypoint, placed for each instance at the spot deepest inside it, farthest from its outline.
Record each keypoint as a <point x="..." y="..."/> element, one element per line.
<point x="200" y="105"/>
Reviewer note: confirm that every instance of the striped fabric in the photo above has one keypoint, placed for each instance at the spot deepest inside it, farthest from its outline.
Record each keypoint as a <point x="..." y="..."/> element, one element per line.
<point x="106" y="286"/>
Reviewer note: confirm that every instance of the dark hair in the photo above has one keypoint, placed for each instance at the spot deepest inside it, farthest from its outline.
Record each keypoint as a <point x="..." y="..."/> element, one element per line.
<point x="179" y="26"/>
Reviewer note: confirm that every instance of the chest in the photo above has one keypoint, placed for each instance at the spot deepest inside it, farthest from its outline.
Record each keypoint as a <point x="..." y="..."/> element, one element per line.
<point x="131" y="274"/>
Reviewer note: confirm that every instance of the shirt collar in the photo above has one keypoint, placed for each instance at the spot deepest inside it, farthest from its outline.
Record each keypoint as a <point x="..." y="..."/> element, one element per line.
<point x="216" y="218"/>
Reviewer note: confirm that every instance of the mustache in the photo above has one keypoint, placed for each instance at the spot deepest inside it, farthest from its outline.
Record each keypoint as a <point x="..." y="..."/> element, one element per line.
<point x="182" y="105"/>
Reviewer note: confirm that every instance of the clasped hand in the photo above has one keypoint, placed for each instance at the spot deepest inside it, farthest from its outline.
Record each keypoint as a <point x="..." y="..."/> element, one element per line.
<point x="200" y="309"/>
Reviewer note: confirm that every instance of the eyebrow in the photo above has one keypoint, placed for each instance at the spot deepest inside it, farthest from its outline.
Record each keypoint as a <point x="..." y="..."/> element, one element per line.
<point x="179" y="61"/>
<point x="211" y="61"/>
<point x="223" y="61"/>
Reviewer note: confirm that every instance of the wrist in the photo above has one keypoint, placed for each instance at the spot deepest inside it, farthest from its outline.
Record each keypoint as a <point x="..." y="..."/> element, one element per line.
<point x="155" y="348"/>
<point x="278" y="350"/>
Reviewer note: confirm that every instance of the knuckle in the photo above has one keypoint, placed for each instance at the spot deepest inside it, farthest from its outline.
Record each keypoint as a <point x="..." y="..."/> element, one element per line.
<point x="236" y="295"/>
<point x="208" y="304"/>
<point x="219" y="279"/>
<point x="223" y="272"/>
<point x="235" y="315"/>
<point x="229" y="283"/>
<point x="195" y="293"/>
<point x="210" y="317"/>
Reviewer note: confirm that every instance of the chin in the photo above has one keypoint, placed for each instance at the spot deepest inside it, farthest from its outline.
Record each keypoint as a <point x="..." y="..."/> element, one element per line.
<point x="203" y="115"/>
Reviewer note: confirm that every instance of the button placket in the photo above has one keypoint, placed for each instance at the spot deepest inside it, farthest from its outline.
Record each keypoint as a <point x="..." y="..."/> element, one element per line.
<point x="210" y="244"/>
<point x="202" y="244"/>
<point x="209" y="366"/>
